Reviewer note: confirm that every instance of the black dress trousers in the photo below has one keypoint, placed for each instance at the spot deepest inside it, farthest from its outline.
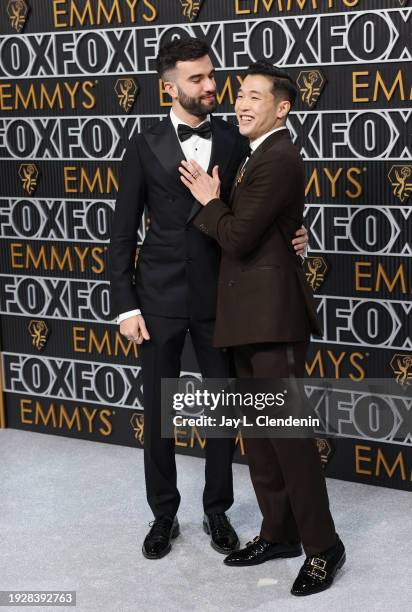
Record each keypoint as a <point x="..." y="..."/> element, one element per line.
<point x="161" y="358"/>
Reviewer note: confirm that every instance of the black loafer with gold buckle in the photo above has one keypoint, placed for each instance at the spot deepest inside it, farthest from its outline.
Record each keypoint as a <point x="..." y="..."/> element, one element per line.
<point x="318" y="571"/>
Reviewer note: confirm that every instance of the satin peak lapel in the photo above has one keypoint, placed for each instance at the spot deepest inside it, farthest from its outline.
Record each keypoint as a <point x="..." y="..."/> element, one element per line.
<point x="165" y="145"/>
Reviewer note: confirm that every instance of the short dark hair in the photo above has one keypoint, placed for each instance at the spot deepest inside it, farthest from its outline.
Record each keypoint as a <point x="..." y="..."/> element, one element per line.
<point x="181" y="50"/>
<point x="283" y="84"/>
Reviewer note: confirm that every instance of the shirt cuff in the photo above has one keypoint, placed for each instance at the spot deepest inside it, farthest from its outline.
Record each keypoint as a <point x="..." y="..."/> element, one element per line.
<point x="126" y="315"/>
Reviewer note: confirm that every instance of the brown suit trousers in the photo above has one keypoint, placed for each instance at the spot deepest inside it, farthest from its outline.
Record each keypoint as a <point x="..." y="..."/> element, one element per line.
<point x="286" y="473"/>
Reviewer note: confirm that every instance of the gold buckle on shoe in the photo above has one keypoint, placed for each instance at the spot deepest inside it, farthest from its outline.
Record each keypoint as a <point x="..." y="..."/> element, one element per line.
<point x="318" y="568"/>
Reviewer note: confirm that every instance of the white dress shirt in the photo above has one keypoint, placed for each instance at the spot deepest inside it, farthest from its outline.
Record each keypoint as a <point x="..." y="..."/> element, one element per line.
<point x="256" y="143"/>
<point x="195" y="147"/>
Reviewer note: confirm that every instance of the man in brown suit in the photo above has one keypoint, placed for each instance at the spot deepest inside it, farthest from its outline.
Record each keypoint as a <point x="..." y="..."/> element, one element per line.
<point x="266" y="312"/>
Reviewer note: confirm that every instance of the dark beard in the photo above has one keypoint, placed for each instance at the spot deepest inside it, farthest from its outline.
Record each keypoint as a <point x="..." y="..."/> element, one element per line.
<point x="194" y="106"/>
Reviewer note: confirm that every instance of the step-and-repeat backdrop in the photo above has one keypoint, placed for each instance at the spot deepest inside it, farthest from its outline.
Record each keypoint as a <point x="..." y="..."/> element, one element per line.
<point x="77" y="79"/>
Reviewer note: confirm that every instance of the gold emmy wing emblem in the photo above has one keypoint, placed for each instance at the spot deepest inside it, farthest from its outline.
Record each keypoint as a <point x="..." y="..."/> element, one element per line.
<point x="402" y="368"/>
<point x="325" y="450"/>
<point x="39" y="333"/>
<point x="137" y="423"/>
<point x="400" y="178"/>
<point x="126" y="91"/>
<point x="311" y="84"/>
<point x="191" y="8"/>
<point x="17" y="11"/>
<point x="29" y="175"/>
<point x="315" y="270"/>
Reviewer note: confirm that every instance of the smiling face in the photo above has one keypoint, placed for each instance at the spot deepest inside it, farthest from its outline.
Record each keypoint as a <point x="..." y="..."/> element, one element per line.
<point x="257" y="109"/>
<point x="192" y="86"/>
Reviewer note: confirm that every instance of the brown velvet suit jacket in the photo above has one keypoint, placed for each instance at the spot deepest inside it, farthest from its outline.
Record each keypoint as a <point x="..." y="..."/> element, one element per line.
<point x="263" y="295"/>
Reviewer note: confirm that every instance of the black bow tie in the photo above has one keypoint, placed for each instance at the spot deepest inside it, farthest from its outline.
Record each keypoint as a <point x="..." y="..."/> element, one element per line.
<point x="185" y="131"/>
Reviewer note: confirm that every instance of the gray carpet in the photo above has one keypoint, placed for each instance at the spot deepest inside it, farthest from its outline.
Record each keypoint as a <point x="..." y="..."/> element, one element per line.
<point x="73" y="516"/>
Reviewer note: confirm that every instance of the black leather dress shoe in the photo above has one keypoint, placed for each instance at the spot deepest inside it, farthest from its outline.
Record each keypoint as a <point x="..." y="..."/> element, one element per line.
<point x="223" y="537"/>
<point x="260" y="550"/>
<point x="318" y="571"/>
<point x="157" y="543"/>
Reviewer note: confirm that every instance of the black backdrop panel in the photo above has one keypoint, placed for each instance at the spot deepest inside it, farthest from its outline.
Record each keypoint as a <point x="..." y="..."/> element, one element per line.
<point x="65" y="119"/>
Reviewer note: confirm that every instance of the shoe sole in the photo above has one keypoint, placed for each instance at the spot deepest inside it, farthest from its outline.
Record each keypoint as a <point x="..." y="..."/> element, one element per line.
<point x="222" y="551"/>
<point x="323" y="588"/>
<point x="285" y="555"/>
<point x="173" y="536"/>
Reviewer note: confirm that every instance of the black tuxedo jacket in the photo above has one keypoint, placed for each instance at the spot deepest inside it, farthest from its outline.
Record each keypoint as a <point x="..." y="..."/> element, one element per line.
<point x="177" y="267"/>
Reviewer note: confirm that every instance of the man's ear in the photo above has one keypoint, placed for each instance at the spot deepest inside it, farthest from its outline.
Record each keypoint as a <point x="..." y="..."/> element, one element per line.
<point x="170" y="88"/>
<point x="283" y="109"/>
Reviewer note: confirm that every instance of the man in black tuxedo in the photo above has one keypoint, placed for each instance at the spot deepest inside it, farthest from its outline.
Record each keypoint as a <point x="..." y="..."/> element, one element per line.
<point x="175" y="286"/>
